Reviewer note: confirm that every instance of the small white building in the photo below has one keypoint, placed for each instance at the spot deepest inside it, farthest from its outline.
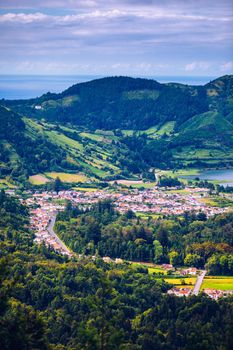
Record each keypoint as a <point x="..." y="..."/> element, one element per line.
<point x="119" y="261"/>
<point x="189" y="271"/>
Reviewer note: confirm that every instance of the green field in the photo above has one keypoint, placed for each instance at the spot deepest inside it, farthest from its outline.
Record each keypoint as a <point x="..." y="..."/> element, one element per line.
<point x="63" y="141"/>
<point x="144" y="185"/>
<point x="94" y="137"/>
<point x="220" y="202"/>
<point x="182" y="191"/>
<point x="151" y="131"/>
<point x="208" y="154"/>
<point x="177" y="173"/>
<point x="152" y="268"/>
<point x="154" y="131"/>
<point x="145" y="216"/>
<point x="166" y="128"/>
<point x="218" y="282"/>
<point x="135" y="183"/>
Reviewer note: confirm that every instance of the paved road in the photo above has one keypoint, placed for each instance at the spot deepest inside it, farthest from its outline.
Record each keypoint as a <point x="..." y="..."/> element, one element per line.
<point x="52" y="233"/>
<point x="199" y="282"/>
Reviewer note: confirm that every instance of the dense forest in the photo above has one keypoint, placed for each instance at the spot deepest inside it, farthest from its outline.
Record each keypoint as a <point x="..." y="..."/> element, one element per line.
<point x="128" y="103"/>
<point x="48" y="302"/>
<point x="190" y="240"/>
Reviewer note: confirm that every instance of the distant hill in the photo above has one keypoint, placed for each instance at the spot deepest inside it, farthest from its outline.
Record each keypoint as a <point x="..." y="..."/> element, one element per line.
<point x="118" y="126"/>
<point x="117" y="102"/>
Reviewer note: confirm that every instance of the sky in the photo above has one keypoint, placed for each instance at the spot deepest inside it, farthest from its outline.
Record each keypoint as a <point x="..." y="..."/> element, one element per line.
<point x="117" y="37"/>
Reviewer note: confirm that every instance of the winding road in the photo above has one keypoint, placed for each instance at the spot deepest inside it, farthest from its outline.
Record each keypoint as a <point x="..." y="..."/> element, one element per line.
<point x="57" y="239"/>
<point x="199" y="281"/>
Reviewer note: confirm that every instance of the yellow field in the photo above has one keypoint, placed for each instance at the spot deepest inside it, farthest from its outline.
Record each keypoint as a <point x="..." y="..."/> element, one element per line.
<point x="179" y="281"/>
<point x="5" y="183"/>
<point x="38" y="179"/>
<point x="152" y="270"/>
<point x="128" y="182"/>
<point x="86" y="189"/>
<point x="218" y="282"/>
<point x="64" y="177"/>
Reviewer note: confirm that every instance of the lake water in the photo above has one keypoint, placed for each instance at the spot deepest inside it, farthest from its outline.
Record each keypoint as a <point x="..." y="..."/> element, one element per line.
<point x="29" y="86"/>
<point x="226" y="176"/>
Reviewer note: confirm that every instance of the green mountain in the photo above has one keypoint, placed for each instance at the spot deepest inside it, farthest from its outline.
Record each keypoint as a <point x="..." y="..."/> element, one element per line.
<point x="117" y="102"/>
<point x="118" y="126"/>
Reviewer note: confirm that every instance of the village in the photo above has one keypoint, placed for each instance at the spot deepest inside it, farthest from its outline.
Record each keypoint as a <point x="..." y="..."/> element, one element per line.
<point x="45" y="205"/>
<point x="212" y="293"/>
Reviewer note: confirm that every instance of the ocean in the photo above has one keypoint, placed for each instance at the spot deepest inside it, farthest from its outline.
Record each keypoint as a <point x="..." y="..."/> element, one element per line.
<point x="29" y="86"/>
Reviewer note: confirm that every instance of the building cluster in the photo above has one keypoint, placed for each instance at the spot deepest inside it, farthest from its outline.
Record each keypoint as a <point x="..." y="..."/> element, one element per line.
<point x="180" y="292"/>
<point x="42" y="216"/>
<point x="190" y="271"/>
<point x="45" y="205"/>
<point x="168" y="267"/>
<point x="108" y="260"/>
<point x="147" y="201"/>
<point x="212" y="293"/>
<point x="216" y="294"/>
<point x="163" y="202"/>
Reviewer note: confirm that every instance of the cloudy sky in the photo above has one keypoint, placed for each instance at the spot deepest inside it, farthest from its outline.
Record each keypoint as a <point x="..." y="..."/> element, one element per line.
<point x="133" y="37"/>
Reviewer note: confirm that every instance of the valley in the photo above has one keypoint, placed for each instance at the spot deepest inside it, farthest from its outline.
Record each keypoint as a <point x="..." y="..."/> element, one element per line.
<point x="45" y="206"/>
<point x="117" y="128"/>
<point x="111" y="196"/>
<point x="116" y="175"/>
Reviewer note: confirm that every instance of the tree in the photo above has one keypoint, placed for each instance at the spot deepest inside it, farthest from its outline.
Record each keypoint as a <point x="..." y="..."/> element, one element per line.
<point x="2" y="196"/>
<point x="162" y="235"/>
<point x="57" y="184"/>
<point x="174" y="258"/>
<point x="130" y="214"/>
<point x="193" y="260"/>
<point x="158" y="251"/>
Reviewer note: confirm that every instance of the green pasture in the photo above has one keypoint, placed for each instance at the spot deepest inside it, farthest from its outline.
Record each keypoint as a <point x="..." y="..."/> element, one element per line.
<point x="218" y="282"/>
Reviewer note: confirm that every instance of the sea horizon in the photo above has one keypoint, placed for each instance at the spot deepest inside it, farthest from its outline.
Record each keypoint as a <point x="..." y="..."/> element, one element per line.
<point x="24" y="86"/>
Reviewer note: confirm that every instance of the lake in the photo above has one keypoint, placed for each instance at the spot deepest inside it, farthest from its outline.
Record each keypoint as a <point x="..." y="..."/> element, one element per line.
<point x="224" y="175"/>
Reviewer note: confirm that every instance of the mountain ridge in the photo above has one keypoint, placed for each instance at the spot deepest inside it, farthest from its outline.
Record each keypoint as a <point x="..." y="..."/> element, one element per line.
<point x="118" y="126"/>
<point x="112" y="102"/>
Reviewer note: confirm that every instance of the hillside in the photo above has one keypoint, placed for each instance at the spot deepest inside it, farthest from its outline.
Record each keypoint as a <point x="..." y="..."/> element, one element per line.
<point x="117" y="127"/>
<point x="117" y="102"/>
<point x="207" y="136"/>
<point x="21" y="154"/>
<point x="30" y="147"/>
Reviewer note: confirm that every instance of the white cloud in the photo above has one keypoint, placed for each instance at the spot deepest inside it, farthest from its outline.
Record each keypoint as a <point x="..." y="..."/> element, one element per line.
<point x="23" y="17"/>
<point x="163" y="36"/>
<point x="227" y="66"/>
<point x="197" y="65"/>
<point x="38" y="16"/>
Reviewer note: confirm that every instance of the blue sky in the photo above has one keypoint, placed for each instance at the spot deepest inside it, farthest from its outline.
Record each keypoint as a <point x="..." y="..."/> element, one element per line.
<point x="112" y="37"/>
